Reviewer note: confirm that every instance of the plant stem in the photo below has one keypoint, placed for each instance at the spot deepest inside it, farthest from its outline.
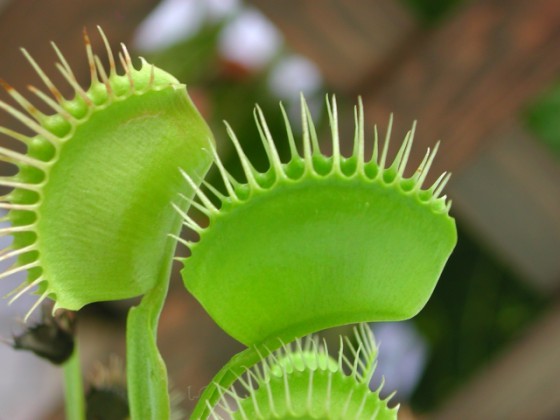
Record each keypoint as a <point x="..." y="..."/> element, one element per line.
<point x="73" y="387"/>
<point x="147" y="383"/>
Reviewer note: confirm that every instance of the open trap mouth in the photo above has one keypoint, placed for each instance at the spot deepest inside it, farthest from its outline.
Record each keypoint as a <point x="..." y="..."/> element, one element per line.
<point x="90" y="204"/>
<point x="350" y="239"/>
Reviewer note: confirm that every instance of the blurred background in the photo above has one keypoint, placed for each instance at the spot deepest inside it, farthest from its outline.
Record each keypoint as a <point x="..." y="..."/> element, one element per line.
<point x="481" y="75"/>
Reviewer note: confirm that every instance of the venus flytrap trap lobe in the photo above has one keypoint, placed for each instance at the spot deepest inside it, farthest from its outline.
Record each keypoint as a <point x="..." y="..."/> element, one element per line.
<point x="316" y="242"/>
<point x="303" y="381"/>
<point x="97" y="176"/>
<point x="90" y="208"/>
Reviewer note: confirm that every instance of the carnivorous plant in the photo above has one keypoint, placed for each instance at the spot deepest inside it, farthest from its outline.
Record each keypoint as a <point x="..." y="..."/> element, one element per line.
<point x="315" y="241"/>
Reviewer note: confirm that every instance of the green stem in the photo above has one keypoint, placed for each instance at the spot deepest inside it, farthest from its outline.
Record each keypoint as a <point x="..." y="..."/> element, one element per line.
<point x="229" y="374"/>
<point x="147" y="376"/>
<point x="73" y="387"/>
<point x="147" y="383"/>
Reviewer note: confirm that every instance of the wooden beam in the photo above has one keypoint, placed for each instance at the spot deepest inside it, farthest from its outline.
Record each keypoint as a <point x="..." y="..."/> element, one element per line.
<point x="475" y="72"/>
<point x="510" y="194"/>
<point x="350" y="40"/>
<point x="523" y="383"/>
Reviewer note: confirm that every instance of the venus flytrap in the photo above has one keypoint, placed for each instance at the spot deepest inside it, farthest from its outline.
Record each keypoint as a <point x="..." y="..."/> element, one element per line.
<point x="94" y="179"/>
<point x="315" y="242"/>
<point x="311" y="243"/>
<point x="318" y="241"/>
<point x="303" y="381"/>
<point x="90" y="209"/>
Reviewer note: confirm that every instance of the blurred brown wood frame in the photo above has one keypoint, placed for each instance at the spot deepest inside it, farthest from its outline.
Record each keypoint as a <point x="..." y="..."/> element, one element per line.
<point x="467" y="81"/>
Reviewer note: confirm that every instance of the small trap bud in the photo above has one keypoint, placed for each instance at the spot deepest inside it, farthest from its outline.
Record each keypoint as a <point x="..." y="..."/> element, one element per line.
<point x="106" y="399"/>
<point x="51" y="339"/>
